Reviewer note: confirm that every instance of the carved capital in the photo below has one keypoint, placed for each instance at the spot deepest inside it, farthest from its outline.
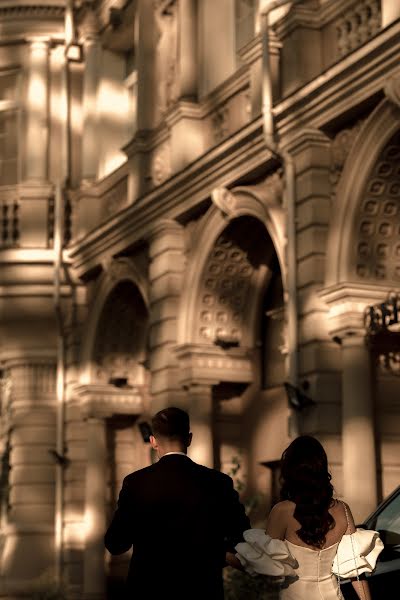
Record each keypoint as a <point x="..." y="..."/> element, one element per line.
<point x="392" y="90"/>
<point x="225" y="201"/>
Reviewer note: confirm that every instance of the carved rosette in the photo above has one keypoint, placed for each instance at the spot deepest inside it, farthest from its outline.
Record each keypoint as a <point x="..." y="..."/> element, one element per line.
<point x="377" y="235"/>
<point x="340" y="148"/>
<point x="116" y="198"/>
<point x="161" y="164"/>
<point x="220" y="123"/>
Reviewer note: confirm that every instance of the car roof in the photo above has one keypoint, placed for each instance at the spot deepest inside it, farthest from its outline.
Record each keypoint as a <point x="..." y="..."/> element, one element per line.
<point x="381" y="507"/>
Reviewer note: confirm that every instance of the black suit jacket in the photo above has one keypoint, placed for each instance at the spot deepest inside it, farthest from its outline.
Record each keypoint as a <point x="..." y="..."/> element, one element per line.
<point x="180" y="518"/>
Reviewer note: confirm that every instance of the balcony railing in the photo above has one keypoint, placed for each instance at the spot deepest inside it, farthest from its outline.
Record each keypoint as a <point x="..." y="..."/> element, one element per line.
<point x="357" y="25"/>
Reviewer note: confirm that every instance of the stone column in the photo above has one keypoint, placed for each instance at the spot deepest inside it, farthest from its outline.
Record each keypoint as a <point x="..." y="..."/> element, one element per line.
<point x="188" y="51"/>
<point x="317" y="357"/>
<point x="32" y="475"/>
<point x="90" y="140"/>
<point x="95" y="510"/>
<point x="37" y="109"/>
<point x="166" y="281"/>
<point x="358" y="436"/>
<point x="146" y="65"/>
<point x="200" y="406"/>
<point x="217" y="49"/>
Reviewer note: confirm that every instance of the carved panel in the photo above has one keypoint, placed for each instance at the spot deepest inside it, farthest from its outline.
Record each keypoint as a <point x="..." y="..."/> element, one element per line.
<point x="224" y="290"/>
<point x="377" y="248"/>
<point x="166" y="65"/>
<point x="220" y="123"/>
<point x="357" y="25"/>
<point x="340" y="148"/>
<point x="161" y="164"/>
<point x="9" y="215"/>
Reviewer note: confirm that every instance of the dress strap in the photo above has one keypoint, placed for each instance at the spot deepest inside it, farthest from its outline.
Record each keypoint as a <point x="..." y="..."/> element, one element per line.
<point x="352" y="547"/>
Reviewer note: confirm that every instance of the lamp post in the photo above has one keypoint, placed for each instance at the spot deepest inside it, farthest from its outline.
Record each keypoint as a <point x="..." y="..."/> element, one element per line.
<point x="382" y="324"/>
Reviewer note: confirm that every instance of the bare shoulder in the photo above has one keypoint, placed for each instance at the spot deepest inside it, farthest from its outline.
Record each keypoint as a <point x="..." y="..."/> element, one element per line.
<point x="285" y="507"/>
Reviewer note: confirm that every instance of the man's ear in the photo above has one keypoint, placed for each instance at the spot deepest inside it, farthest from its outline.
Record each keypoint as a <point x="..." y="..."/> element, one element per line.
<point x="189" y="440"/>
<point x="153" y="442"/>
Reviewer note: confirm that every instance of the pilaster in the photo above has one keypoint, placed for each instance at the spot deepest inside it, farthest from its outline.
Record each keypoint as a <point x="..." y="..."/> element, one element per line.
<point x="32" y="470"/>
<point x="347" y="304"/>
<point x="92" y="58"/>
<point x="318" y="356"/>
<point x="37" y="111"/>
<point x="166" y="281"/>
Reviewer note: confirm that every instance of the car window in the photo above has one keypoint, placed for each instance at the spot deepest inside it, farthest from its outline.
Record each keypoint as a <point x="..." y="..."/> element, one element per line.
<point x="387" y="522"/>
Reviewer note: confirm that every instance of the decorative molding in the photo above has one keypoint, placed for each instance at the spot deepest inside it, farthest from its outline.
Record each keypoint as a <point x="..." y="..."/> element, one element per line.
<point x="161" y="164"/>
<point x="246" y="150"/>
<point x="225" y="201"/>
<point x="104" y="401"/>
<point x="347" y="303"/>
<point x="359" y="75"/>
<point x="208" y="365"/>
<point x="340" y="148"/>
<point x="354" y="208"/>
<point x="392" y="90"/>
<point x="223" y="293"/>
<point x="376" y="234"/>
<point x="15" y="10"/>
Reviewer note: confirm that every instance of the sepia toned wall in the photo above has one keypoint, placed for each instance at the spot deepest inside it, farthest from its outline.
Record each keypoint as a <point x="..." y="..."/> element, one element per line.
<point x="223" y="181"/>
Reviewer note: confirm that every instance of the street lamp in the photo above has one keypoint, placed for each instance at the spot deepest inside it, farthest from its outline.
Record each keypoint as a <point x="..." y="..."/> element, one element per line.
<point x="382" y="324"/>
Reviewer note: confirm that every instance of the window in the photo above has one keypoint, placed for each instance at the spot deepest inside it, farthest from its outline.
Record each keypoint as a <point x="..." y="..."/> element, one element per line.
<point x="388" y="524"/>
<point x="245" y="22"/>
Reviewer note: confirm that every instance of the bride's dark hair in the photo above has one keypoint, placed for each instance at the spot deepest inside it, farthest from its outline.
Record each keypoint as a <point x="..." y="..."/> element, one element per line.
<point x="306" y="481"/>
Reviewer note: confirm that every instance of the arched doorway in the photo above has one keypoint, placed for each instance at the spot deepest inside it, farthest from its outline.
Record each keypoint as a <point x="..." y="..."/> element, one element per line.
<point x="112" y="396"/>
<point x="233" y="334"/>
<point x="119" y="354"/>
<point x="362" y="267"/>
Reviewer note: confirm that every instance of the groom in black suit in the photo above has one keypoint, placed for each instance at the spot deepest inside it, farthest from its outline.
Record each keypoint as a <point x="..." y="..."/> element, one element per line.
<point x="180" y="517"/>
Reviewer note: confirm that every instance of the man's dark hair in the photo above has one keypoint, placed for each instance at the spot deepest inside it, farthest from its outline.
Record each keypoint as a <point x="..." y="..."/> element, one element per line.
<point x="172" y="423"/>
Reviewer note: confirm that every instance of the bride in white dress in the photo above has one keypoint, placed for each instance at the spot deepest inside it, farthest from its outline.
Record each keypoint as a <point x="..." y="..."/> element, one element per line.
<point x="310" y="539"/>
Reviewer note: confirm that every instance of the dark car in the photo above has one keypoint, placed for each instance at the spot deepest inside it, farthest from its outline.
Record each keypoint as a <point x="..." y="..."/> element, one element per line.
<point x="384" y="582"/>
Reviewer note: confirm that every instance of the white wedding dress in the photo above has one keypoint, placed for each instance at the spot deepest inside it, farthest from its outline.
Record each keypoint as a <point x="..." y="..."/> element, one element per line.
<point x="304" y="573"/>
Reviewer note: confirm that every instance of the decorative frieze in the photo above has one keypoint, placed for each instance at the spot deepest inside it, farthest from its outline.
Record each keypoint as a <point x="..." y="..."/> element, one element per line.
<point x="377" y="222"/>
<point x="161" y="164"/>
<point x="166" y="63"/>
<point x="225" y="286"/>
<point x="206" y="364"/>
<point x="357" y="25"/>
<point x="102" y="401"/>
<point x="340" y="148"/>
<point x="9" y="207"/>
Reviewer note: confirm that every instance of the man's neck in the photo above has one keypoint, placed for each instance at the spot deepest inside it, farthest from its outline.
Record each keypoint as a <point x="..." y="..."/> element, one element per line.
<point x="173" y="450"/>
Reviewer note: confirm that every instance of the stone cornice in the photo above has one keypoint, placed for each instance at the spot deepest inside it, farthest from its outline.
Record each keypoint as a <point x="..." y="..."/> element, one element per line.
<point x="311" y="18"/>
<point x="298" y="16"/>
<point x="239" y="154"/>
<point x="205" y="364"/>
<point x="102" y="186"/>
<point x="347" y="303"/>
<point x="106" y="400"/>
<point x="253" y="50"/>
<point x="359" y="75"/>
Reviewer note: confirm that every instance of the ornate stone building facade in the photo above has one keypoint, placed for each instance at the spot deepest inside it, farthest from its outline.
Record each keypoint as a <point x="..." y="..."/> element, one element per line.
<point x="199" y="200"/>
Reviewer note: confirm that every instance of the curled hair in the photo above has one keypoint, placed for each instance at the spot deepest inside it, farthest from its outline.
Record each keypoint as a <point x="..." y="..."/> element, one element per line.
<point x="306" y="481"/>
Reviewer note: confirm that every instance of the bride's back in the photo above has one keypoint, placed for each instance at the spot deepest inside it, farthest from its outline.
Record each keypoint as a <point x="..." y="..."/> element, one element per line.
<point x="333" y="536"/>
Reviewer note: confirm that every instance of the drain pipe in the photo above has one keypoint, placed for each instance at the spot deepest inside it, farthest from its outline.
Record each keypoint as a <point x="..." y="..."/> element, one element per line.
<point x="59" y="454"/>
<point x="290" y="183"/>
<point x="60" y="381"/>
